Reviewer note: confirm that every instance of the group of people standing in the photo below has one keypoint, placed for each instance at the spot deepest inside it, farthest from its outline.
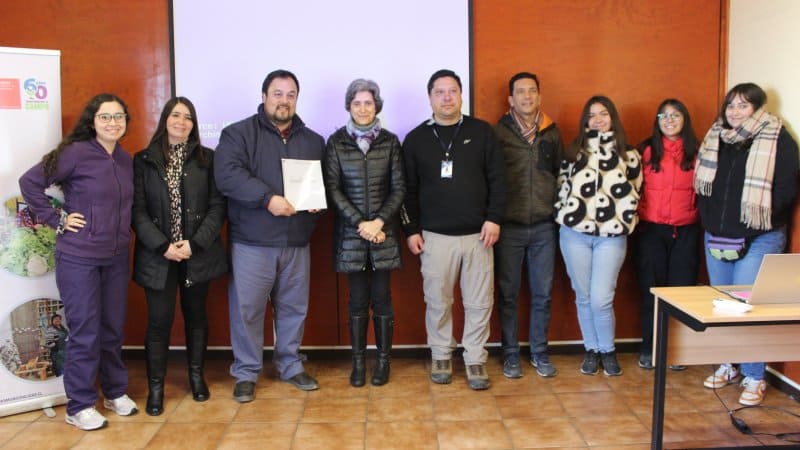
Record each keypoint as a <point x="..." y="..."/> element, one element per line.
<point x="474" y="202"/>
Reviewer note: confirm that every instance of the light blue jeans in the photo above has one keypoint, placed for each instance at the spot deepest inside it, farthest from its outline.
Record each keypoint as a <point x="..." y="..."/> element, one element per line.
<point x="593" y="263"/>
<point x="743" y="271"/>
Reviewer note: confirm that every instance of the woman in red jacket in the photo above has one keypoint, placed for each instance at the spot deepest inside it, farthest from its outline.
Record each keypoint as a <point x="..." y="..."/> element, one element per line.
<point x="669" y="229"/>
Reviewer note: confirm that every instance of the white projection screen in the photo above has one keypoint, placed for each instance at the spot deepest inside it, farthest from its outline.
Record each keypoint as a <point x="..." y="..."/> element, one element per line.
<point x="223" y="50"/>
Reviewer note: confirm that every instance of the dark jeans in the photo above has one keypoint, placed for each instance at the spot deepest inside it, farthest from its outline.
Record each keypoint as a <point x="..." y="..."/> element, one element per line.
<point x="536" y="245"/>
<point x="161" y="305"/>
<point x="666" y="256"/>
<point x="370" y="284"/>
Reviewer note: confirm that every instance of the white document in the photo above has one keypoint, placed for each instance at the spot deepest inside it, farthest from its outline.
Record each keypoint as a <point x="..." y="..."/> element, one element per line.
<point x="302" y="184"/>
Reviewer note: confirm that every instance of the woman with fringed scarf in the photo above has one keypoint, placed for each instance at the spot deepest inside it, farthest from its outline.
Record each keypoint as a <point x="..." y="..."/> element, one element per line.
<point x="600" y="182"/>
<point x="746" y="180"/>
<point x="365" y="181"/>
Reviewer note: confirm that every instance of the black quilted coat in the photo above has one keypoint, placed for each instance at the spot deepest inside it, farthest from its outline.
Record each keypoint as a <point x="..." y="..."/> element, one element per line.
<point x="364" y="188"/>
<point x="203" y="215"/>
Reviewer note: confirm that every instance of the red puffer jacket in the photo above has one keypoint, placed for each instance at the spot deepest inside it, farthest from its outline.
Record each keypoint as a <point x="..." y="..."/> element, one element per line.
<point x="667" y="195"/>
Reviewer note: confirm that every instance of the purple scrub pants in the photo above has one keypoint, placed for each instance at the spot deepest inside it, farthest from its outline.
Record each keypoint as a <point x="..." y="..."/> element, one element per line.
<point x="95" y="296"/>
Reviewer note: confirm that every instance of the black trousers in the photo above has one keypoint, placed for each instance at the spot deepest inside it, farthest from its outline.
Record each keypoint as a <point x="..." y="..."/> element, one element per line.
<point x="369" y="285"/>
<point x="666" y="256"/>
<point x="161" y="305"/>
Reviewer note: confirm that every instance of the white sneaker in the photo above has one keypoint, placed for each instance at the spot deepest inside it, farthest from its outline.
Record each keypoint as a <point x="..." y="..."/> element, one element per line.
<point x="726" y="374"/>
<point x="87" y="419"/>
<point x="123" y="406"/>
<point x="753" y="393"/>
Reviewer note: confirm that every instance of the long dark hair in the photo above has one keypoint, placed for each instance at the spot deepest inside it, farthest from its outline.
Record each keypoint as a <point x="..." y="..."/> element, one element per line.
<point x="83" y="130"/>
<point x="161" y="139"/>
<point x="751" y="92"/>
<point x="616" y="125"/>
<point x="656" y="142"/>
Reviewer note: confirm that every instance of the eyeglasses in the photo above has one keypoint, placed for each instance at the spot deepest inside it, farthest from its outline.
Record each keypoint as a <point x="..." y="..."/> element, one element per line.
<point x="106" y="118"/>
<point x="671" y="116"/>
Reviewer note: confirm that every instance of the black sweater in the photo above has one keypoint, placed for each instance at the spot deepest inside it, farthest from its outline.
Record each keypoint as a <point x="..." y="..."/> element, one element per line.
<point x="475" y="193"/>
<point x="720" y="212"/>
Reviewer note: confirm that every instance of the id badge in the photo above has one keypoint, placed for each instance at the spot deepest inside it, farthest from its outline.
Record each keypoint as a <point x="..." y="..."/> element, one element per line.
<point x="447" y="169"/>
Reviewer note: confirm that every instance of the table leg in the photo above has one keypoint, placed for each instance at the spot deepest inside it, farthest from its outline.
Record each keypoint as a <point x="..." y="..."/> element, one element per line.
<point x="662" y="323"/>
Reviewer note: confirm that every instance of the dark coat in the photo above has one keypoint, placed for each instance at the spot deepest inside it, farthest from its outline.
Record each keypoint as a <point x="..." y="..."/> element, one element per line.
<point x="531" y="171"/>
<point x="720" y="213"/>
<point x="248" y="171"/>
<point x="203" y="217"/>
<point x="364" y="188"/>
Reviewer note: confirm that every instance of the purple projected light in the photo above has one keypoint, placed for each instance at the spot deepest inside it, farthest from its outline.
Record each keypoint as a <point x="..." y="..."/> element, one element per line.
<point x="223" y="51"/>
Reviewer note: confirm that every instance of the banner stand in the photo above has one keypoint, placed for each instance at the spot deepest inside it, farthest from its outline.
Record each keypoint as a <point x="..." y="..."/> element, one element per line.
<point x="33" y="336"/>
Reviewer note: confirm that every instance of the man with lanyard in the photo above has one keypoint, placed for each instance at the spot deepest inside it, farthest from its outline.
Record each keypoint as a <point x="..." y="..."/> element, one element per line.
<point x="532" y="147"/>
<point x="268" y="237"/>
<point x="454" y="204"/>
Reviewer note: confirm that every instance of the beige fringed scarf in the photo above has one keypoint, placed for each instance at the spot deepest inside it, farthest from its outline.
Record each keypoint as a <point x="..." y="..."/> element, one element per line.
<point x="763" y="128"/>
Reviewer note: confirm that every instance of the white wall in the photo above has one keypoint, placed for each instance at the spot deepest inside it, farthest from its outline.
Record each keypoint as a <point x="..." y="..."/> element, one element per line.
<point x="764" y="47"/>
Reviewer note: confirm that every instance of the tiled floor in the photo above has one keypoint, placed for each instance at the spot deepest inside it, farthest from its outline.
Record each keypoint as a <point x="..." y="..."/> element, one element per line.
<point x="568" y="411"/>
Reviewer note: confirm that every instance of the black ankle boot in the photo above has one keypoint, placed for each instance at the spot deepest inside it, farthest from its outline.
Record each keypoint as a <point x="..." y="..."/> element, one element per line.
<point x="358" y="342"/>
<point x="196" y="341"/>
<point x="156" y="356"/>
<point x="383" y="340"/>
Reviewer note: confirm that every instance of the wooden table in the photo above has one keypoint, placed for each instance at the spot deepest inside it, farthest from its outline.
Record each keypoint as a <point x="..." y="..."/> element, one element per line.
<point x="688" y="330"/>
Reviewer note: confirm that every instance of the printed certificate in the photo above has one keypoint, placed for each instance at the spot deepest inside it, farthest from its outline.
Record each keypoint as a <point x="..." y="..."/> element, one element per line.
<point x="302" y="184"/>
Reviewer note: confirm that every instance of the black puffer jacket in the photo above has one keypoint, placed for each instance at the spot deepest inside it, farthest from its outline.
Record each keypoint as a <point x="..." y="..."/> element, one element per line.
<point x="364" y="188"/>
<point x="203" y="217"/>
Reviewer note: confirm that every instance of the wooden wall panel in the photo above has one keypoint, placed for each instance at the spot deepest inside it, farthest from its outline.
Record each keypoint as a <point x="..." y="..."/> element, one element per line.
<point x="123" y="49"/>
<point x="635" y="52"/>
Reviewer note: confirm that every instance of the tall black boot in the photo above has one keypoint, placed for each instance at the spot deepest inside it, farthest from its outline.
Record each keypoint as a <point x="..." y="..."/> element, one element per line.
<point x="156" y="355"/>
<point x="196" y="341"/>
<point x="358" y="342"/>
<point x="383" y="340"/>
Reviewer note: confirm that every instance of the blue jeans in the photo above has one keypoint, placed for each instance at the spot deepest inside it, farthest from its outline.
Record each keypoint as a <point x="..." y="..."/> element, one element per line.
<point x="536" y="245"/>
<point x="743" y="271"/>
<point x="593" y="263"/>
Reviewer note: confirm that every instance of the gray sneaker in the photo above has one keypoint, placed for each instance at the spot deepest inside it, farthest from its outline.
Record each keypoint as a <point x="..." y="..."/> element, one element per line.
<point x="646" y="361"/>
<point x="441" y="371"/>
<point x="477" y="378"/>
<point x="610" y="365"/>
<point x="244" y="391"/>
<point x="543" y="365"/>
<point x="591" y="363"/>
<point x="511" y="366"/>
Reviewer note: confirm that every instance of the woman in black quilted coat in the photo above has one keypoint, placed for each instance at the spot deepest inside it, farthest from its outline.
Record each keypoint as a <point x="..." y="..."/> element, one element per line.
<point x="365" y="181"/>
<point x="177" y="215"/>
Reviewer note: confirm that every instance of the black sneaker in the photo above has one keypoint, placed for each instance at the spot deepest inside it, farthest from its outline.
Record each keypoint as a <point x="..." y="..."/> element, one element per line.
<point x="590" y="363"/>
<point x="646" y="361"/>
<point x="511" y="366"/>
<point x="303" y="381"/>
<point x="610" y="365"/>
<point x="244" y="391"/>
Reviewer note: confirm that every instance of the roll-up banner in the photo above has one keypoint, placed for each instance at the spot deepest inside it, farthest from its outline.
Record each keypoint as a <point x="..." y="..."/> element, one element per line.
<point x="32" y="326"/>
